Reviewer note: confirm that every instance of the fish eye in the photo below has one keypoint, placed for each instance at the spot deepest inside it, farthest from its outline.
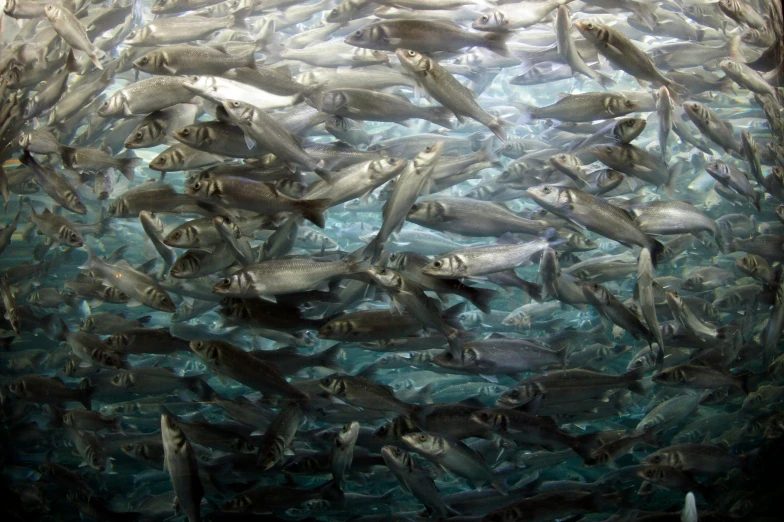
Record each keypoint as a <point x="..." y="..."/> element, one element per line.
<point x="185" y="132"/>
<point x="139" y="135"/>
<point x="629" y="103"/>
<point x="485" y="18"/>
<point x="144" y="60"/>
<point x="546" y="190"/>
<point x="196" y="186"/>
<point x="198" y="345"/>
<point x="398" y="452"/>
<point x="74" y="236"/>
<point x="589" y="25"/>
<point x="194" y="78"/>
<point x="162" y="160"/>
<point x="412" y="53"/>
<point x="226" y="282"/>
<point x="438" y="264"/>
<point x="358" y="33"/>
<point x="448" y="356"/>
<point x="422" y="437"/>
<point x="630" y="123"/>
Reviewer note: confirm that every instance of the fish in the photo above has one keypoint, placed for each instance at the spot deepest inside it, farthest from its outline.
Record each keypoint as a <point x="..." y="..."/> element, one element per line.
<point x="393" y="259"/>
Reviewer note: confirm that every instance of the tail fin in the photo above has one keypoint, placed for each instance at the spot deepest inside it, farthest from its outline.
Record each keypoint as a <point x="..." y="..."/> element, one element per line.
<point x="689" y="511"/>
<point x="85" y="393"/>
<point x="481" y="297"/>
<point x="313" y="210"/>
<point x="604" y="81"/>
<point x="128" y="165"/>
<point x="441" y="116"/>
<point x="496" y="42"/>
<point x="498" y="128"/>
<point x="657" y="251"/>
<point x="323" y="174"/>
<point x="647" y="13"/>
<point x="239" y="16"/>
<point x="500" y="486"/>
<point x="328" y="358"/>
<point x="635" y="386"/>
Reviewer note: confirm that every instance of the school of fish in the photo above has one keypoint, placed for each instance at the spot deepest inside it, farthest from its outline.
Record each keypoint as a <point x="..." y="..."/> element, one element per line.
<point x="391" y="260"/>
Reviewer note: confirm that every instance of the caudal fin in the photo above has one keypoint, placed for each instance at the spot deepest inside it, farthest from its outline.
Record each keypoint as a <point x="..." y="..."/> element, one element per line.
<point x="85" y="393"/>
<point x="239" y="16"/>
<point x="328" y="358"/>
<point x="481" y="297"/>
<point x="128" y="166"/>
<point x="496" y="42"/>
<point x="657" y="251"/>
<point x="313" y="210"/>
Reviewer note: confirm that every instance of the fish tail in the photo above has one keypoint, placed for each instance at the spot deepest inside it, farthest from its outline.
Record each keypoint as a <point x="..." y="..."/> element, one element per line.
<point x="757" y="199"/>
<point x="96" y="60"/>
<point x="323" y="174"/>
<point x="85" y="393"/>
<point x="128" y="166"/>
<point x="239" y="16"/>
<point x="496" y="125"/>
<point x="657" y="250"/>
<point x="71" y="65"/>
<point x="496" y="42"/>
<point x="604" y="81"/>
<point x="500" y="486"/>
<point x="92" y="261"/>
<point x="647" y="13"/>
<point x="441" y="116"/>
<point x="313" y="210"/>
<point x="328" y="358"/>
<point x="689" y="512"/>
<point x="481" y="297"/>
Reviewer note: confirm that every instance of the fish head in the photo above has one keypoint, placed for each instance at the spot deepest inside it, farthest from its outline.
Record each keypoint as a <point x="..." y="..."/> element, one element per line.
<point x="53" y="12"/>
<point x="239" y="111"/>
<point x="549" y="196"/>
<point x="425" y="159"/>
<point x="333" y="384"/>
<point x="617" y="104"/>
<point x="189" y="135"/>
<point x="495" y="21"/>
<point x="627" y="129"/>
<point x="123" y="379"/>
<point x="114" y="106"/>
<point x="239" y="504"/>
<point x="422" y="442"/>
<point x="370" y="37"/>
<point x="207" y="350"/>
<point x="18" y="387"/>
<point x="669" y="376"/>
<point x="693" y="282"/>
<point x="489" y="419"/>
<point x="186" y="265"/>
<point x="414" y="62"/>
<point x="236" y="285"/>
<point x="450" y="265"/>
<point x="118" y="342"/>
<point x="426" y="211"/>
<point x="70" y="237"/>
<point x="447" y="359"/>
<point x="579" y="242"/>
<point x="591" y="31"/>
<point x="348" y="433"/>
<point x="396" y="457"/>
<point x="331" y="101"/>
<point x="385" y="167"/>
<point x="337" y="123"/>
<point x="369" y="56"/>
<point x="652" y="473"/>
<point x="696" y="111"/>
<point x="566" y="161"/>
<point x="397" y="261"/>
<point x="151" y="62"/>
<point x="205" y="189"/>
<point x="385" y="277"/>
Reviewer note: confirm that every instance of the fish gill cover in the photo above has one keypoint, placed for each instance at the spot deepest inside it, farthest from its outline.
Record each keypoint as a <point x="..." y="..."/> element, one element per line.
<point x="391" y="260"/>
